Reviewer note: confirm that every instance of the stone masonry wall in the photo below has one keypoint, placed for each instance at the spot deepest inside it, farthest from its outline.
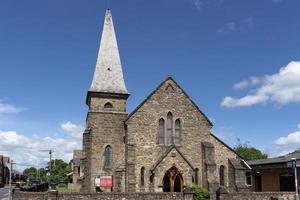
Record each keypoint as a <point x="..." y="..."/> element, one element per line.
<point x="101" y="196"/>
<point x="143" y="127"/>
<point x="143" y="136"/>
<point x="222" y="154"/>
<point x="77" y="168"/>
<point x="173" y="158"/>
<point x="18" y="195"/>
<point x="106" y="127"/>
<point x="259" y="196"/>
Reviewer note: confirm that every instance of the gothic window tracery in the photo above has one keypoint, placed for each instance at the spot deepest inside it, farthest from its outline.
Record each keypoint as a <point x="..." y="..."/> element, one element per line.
<point x="173" y="181"/>
<point x="169" y="134"/>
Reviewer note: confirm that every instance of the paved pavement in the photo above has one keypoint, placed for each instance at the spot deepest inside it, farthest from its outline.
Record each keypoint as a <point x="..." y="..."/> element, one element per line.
<point x="4" y="193"/>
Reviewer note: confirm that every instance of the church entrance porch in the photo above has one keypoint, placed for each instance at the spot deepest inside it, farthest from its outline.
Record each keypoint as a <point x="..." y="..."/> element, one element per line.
<point x="173" y="181"/>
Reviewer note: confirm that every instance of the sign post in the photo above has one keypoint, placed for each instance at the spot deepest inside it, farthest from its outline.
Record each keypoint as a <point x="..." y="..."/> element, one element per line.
<point x="294" y="166"/>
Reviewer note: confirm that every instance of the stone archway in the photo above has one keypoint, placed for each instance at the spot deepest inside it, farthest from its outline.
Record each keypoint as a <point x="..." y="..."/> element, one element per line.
<point x="173" y="181"/>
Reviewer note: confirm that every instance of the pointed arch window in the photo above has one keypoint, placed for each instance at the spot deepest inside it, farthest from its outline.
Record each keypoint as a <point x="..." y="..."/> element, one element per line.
<point x="142" y="176"/>
<point x="169" y="128"/>
<point x="222" y="175"/>
<point x="169" y="132"/>
<point x="177" y="132"/>
<point x="161" y="137"/>
<point x="108" y="156"/>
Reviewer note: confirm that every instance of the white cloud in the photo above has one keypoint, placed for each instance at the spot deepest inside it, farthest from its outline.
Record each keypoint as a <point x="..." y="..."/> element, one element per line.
<point x="72" y="130"/>
<point x="31" y="150"/>
<point x="9" y="109"/>
<point x="245" y="101"/>
<point x="241" y="26"/>
<point x="292" y="138"/>
<point x="298" y="126"/>
<point x="200" y="4"/>
<point x="252" y="81"/>
<point x="241" y="85"/>
<point x="280" y="88"/>
<point x="285" y="144"/>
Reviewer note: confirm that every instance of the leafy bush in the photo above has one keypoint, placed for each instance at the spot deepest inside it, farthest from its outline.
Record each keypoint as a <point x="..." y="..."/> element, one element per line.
<point x="62" y="185"/>
<point x="199" y="193"/>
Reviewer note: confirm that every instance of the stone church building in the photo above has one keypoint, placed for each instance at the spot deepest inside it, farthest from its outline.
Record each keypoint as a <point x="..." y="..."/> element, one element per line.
<point x="164" y="145"/>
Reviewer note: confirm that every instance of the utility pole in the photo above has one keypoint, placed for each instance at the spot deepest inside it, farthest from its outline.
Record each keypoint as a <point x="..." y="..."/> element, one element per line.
<point x="37" y="170"/>
<point x="10" y="173"/>
<point x="50" y="167"/>
<point x="294" y="166"/>
<point x="50" y="154"/>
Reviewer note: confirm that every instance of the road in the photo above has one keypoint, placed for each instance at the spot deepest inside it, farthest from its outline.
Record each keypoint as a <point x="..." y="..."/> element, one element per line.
<point x="4" y="193"/>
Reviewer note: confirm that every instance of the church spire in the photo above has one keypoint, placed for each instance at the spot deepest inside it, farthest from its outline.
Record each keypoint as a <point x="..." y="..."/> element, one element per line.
<point x="108" y="75"/>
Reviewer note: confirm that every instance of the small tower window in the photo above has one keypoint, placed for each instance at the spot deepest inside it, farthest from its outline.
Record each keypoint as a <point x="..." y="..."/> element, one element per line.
<point x="161" y="137"/>
<point x="142" y="176"/>
<point x="177" y="132"/>
<point x="196" y="176"/>
<point x="108" y="157"/>
<point x="169" y="129"/>
<point x="108" y="105"/>
<point x="222" y="175"/>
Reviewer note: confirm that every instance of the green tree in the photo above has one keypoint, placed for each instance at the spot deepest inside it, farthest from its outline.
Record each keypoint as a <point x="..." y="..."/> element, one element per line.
<point x="30" y="173"/>
<point x="59" y="171"/>
<point x="296" y="151"/>
<point x="249" y="153"/>
<point x="43" y="174"/>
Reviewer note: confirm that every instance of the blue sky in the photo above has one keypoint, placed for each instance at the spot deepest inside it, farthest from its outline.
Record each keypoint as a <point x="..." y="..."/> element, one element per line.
<point x="213" y="48"/>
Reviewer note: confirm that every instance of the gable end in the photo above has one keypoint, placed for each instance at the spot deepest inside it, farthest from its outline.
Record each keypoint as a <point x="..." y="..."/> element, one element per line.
<point x="160" y="85"/>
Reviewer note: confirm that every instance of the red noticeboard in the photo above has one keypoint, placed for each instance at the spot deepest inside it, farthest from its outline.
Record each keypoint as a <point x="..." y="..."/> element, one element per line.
<point x="106" y="181"/>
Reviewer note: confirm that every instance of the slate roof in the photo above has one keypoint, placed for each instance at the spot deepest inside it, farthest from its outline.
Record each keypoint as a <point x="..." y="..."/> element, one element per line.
<point x="108" y="75"/>
<point x="275" y="160"/>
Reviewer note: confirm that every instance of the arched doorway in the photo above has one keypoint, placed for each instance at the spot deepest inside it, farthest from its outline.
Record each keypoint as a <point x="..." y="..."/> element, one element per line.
<point x="173" y="181"/>
<point x="167" y="184"/>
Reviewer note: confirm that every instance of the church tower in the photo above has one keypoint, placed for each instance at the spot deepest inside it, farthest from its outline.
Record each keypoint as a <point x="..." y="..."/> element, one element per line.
<point x="103" y="140"/>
